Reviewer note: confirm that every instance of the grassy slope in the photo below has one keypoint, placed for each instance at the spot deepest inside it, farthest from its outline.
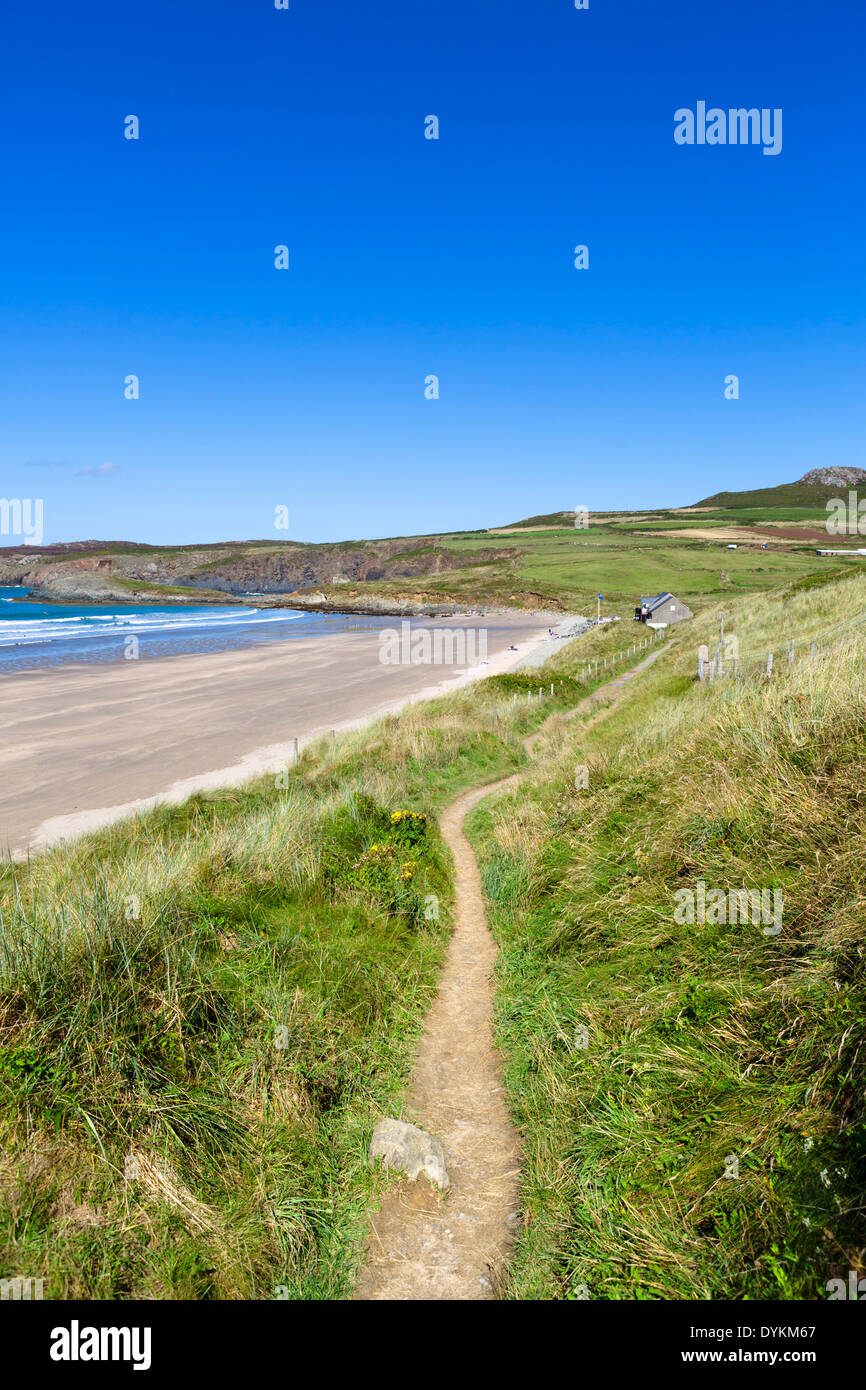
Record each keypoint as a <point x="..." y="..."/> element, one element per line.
<point x="161" y="1138"/>
<point x="570" y="567"/>
<point x="622" y="554"/>
<point x="808" y="496"/>
<point x="704" y="1042"/>
<point x="563" y="570"/>
<point x="144" y="974"/>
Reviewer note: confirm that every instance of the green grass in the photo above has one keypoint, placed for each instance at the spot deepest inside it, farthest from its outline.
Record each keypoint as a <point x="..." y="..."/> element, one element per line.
<point x="705" y="1044"/>
<point x="804" y="496"/>
<point x="567" y="568"/>
<point x="204" y="1011"/>
<point x="622" y="554"/>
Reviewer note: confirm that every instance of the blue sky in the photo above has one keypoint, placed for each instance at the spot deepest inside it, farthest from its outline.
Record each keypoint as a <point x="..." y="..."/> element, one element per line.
<point x="409" y="257"/>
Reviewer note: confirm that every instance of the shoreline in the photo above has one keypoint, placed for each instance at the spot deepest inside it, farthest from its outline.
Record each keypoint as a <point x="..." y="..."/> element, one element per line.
<point x="376" y="606"/>
<point x="252" y="673"/>
<point x="373" y="606"/>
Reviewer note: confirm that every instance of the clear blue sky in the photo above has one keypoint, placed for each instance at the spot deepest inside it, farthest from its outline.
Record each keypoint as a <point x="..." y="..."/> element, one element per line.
<point x="409" y="257"/>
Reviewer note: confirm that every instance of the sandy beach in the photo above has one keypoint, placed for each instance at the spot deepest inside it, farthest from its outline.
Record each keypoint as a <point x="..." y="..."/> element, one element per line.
<point x="81" y="746"/>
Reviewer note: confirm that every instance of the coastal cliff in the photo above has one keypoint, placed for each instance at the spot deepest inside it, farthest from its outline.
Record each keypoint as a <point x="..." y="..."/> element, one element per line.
<point x="318" y="577"/>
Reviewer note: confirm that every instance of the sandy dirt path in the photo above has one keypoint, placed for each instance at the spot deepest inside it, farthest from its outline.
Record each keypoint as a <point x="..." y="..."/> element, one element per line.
<point x="423" y="1246"/>
<point x="455" y="1246"/>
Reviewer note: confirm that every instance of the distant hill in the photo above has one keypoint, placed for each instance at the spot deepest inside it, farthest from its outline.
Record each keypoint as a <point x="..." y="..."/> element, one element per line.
<point x="812" y="490"/>
<point x="808" y="493"/>
<point x="532" y="522"/>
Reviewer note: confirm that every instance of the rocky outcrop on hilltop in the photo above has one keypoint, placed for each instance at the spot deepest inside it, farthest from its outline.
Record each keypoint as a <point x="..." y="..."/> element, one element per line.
<point x="833" y="477"/>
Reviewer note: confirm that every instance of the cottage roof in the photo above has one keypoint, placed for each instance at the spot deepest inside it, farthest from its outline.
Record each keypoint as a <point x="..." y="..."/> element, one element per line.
<point x="654" y="601"/>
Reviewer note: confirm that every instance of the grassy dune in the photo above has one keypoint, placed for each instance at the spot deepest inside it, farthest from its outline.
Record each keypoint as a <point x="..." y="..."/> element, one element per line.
<point x="204" y="1011"/>
<point x="647" y="1059"/>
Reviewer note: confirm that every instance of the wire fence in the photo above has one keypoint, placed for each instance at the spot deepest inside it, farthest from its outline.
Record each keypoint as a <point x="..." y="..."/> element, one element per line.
<point x="727" y="661"/>
<point x="590" y="669"/>
<point x="608" y="662"/>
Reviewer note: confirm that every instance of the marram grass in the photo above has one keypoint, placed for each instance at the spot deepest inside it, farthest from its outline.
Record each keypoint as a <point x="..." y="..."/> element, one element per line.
<point x="691" y="1095"/>
<point x="204" y="1011"/>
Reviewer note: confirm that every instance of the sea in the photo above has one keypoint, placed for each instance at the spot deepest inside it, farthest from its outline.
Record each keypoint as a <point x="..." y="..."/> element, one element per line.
<point x="34" y="635"/>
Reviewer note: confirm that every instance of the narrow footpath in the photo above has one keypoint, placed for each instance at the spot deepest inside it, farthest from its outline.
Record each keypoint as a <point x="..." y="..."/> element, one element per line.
<point x="423" y="1244"/>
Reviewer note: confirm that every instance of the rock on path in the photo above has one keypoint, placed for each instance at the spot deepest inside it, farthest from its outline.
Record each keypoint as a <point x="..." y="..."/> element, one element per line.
<point x="424" y="1245"/>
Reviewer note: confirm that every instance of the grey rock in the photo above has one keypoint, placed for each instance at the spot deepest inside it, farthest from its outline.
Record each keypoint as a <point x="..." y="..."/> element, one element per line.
<point x="409" y="1150"/>
<point x="834" y="476"/>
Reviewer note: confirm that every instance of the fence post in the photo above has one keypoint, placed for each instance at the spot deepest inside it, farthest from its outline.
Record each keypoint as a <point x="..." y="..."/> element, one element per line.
<point x="812" y="651"/>
<point x="791" y="652"/>
<point x="703" y="662"/>
<point x="769" y="663"/>
<point x="295" y="744"/>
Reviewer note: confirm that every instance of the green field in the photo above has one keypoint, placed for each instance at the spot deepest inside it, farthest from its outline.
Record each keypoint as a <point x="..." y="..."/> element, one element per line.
<point x="542" y="562"/>
<point x="573" y="566"/>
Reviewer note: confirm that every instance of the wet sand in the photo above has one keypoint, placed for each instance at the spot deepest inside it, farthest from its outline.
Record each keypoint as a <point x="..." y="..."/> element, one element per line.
<point x="82" y="745"/>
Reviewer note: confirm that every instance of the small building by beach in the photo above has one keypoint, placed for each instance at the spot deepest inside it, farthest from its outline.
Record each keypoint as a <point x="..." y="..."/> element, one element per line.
<point x="660" y="610"/>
